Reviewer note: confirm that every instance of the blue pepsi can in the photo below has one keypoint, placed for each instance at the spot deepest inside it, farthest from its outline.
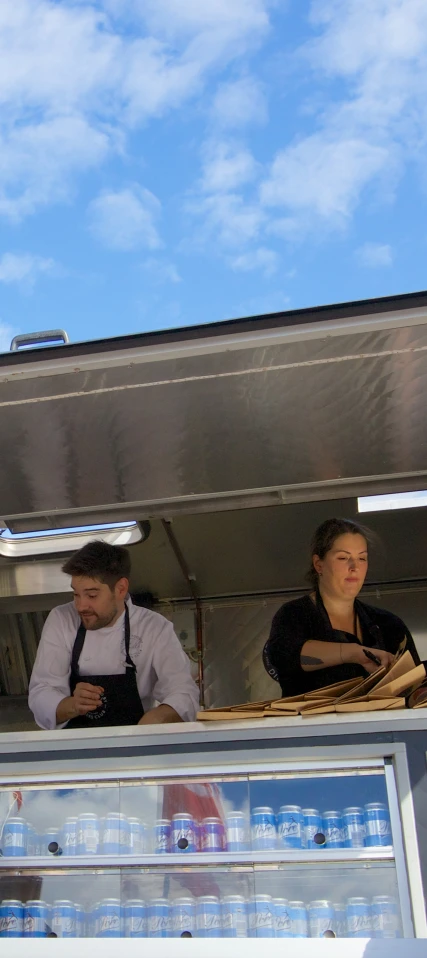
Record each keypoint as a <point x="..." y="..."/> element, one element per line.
<point x="299" y="919"/>
<point x="11" y="918"/>
<point x="135" y="914"/>
<point x="332" y="829"/>
<point x="183" y="836"/>
<point x="321" y="919"/>
<point x="282" y="918"/>
<point x="234" y="917"/>
<point x="36" y="917"/>
<point x="115" y="834"/>
<point x="237" y="831"/>
<point x="359" y="924"/>
<point x="377" y="825"/>
<point x="385" y="917"/>
<point x="83" y="928"/>
<point x="313" y="825"/>
<point x="262" y="918"/>
<point x="64" y="919"/>
<point x="87" y="834"/>
<point x="263" y="829"/>
<point x="340" y="920"/>
<point x="69" y="836"/>
<point x="159" y="918"/>
<point x="14" y="840"/>
<point x="213" y="835"/>
<point x="208" y="917"/>
<point x="353" y="828"/>
<point x="162" y="836"/>
<point x="290" y="827"/>
<point x="109" y="914"/>
<point x="183" y="917"/>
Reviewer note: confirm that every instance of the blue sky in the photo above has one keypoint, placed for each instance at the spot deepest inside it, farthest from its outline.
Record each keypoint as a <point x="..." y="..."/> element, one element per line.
<point x="170" y="162"/>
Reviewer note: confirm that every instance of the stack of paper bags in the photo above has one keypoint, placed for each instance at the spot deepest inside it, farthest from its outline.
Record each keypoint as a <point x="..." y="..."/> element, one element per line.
<point x="382" y="690"/>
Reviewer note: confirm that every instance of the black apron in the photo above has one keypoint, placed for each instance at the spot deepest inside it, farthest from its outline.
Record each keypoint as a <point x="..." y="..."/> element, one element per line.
<point x="121" y="703"/>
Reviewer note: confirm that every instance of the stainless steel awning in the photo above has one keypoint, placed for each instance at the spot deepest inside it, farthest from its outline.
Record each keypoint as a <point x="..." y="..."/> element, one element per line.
<point x="274" y="409"/>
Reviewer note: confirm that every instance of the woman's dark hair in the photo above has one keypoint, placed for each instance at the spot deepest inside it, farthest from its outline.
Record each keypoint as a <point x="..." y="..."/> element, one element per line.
<point x="98" y="560"/>
<point x="325" y="536"/>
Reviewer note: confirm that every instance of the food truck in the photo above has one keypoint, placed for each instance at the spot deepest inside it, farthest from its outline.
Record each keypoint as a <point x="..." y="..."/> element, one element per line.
<point x="212" y="453"/>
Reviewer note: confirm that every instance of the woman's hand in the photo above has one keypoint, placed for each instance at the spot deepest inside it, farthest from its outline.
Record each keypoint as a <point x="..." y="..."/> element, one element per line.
<point x="355" y="653"/>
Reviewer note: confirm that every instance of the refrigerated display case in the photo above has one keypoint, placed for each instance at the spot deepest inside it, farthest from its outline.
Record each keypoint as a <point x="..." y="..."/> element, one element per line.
<point x="203" y="834"/>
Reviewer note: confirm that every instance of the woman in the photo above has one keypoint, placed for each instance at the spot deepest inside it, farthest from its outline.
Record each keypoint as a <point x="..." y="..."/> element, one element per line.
<point x="321" y="638"/>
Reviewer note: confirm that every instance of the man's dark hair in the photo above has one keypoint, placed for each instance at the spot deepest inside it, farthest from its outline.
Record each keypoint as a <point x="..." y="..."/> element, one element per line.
<point x="98" y="560"/>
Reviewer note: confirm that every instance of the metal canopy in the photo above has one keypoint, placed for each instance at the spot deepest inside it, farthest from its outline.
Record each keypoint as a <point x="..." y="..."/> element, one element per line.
<point x="242" y="415"/>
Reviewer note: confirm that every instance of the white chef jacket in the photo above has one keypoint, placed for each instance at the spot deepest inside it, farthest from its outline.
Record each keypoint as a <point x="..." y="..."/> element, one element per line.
<point x="162" y="668"/>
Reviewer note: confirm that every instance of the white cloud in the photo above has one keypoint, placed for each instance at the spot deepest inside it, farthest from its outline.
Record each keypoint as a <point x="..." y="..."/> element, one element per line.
<point x="24" y="268"/>
<point x="374" y="255"/>
<point x="91" y="70"/>
<point x="323" y="176"/>
<point x="160" y="272"/>
<point x="125" y="220"/>
<point x="227" y="168"/>
<point x="266" y="260"/>
<point x="228" y="219"/>
<point x="239" y="103"/>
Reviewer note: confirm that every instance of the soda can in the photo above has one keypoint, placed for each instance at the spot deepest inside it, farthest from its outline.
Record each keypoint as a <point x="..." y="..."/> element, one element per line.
<point x="135" y="836"/>
<point x="183" y="836"/>
<point x="83" y="920"/>
<point x="69" y="836"/>
<point x="353" y="828"/>
<point x="64" y="919"/>
<point x="52" y="836"/>
<point x="234" y="917"/>
<point x="312" y="826"/>
<point x="321" y="919"/>
<point x="208" y="917"/>
<point x="213" y="836"/>
<point x="359" y="924"/>
<point x="237" y="831"/>
<point x="262" y="918"/>
<point x="87" y="834"/>
<point x="11" y="918"/>
<point x="263" y="829"/>
<point x="14" y="842"/>
<point x="108" y="921"/>
<point x="340" y="920"/>
<point x="332" y="829"/>
<point x="183" y="917"/>
<point x="159" y="919"/>
<point x="377" y="825"/>
<point x="135" y="914"/>
<point x="299" y="919"/>
<point x="115" y="834"/>
<point x="282" y="918"/>
<point x="162" y="836"/>
<point x="290" y="827"/>
<point x="36" y="918"/>
<point x="385" y="917"/>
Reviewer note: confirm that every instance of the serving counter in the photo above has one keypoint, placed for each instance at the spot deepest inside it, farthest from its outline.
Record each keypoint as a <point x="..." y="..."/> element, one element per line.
<point x="304" y="829"/>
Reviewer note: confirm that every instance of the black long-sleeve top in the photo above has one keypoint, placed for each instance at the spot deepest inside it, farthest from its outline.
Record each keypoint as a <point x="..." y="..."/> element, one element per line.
<point x="298" y="621"/>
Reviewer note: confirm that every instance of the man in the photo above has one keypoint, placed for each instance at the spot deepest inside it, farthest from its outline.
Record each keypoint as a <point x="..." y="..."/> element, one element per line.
<point x="103" y="661"/>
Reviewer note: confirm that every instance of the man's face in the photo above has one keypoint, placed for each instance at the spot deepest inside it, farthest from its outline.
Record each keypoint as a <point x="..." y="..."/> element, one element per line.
<point x="98" y="605"/>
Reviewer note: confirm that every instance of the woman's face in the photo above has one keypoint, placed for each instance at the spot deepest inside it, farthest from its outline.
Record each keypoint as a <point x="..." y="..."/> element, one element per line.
<point x="343" y="569"/>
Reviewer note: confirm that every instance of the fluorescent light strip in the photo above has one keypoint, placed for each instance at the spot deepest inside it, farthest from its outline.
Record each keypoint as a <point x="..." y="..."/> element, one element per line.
<point x="398" y="500"/>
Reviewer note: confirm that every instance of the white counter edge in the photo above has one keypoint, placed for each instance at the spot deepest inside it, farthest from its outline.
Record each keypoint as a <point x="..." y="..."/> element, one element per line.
<point x="190" y="733"/>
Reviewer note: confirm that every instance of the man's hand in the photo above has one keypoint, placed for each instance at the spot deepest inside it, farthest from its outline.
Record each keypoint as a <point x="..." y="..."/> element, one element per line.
<point x="85" y="698"/>
<point x="160" y="716"/>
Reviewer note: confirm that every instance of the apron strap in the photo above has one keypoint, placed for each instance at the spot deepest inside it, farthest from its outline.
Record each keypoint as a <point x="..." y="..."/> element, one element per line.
<point x="79" y="642"/>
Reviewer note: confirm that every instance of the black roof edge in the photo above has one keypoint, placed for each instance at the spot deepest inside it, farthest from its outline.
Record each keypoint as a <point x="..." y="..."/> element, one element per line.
<point x="248" y="324"/>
